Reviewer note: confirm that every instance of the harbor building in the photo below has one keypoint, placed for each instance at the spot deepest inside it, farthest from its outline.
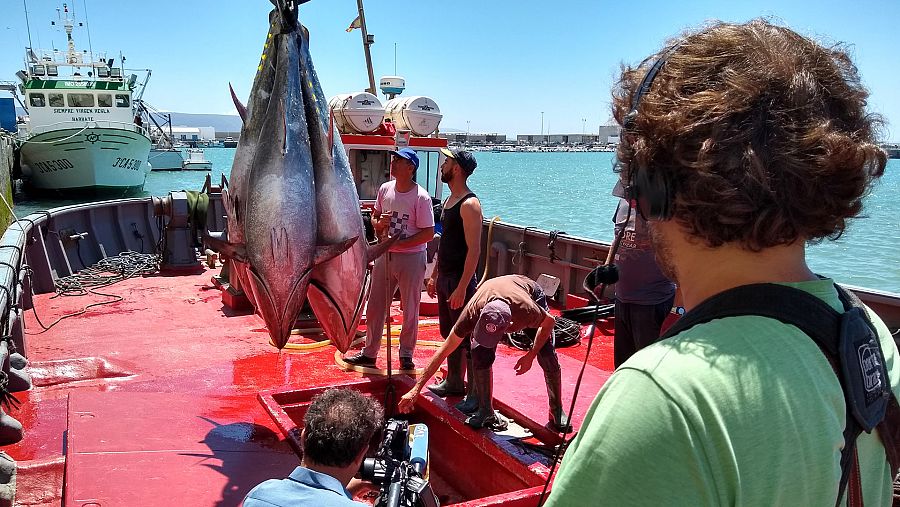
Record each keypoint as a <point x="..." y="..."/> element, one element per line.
<point x="473" y="138"/>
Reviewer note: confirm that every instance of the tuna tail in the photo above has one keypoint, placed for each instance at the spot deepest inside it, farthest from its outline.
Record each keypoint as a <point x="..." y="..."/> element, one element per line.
<point x="241" y="109"/>
<point x="288" y="11"/>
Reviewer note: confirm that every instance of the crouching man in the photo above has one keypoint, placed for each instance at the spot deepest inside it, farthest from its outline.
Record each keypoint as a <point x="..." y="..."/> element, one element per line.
<point x="501" y="305"/>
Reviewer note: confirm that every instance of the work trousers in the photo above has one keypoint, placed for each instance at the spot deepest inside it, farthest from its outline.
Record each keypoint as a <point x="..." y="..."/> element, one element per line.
<point x="444" y="286"/>
<point x="406" y="270"/>
<point x="637" y="326"/>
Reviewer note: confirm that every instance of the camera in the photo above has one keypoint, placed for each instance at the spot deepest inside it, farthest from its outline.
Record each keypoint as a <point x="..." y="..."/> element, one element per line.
<point x="400" y="467"/>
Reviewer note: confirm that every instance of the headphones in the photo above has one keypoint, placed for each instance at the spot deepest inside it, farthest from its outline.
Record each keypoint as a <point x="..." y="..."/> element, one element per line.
<point x="652" y="191"/>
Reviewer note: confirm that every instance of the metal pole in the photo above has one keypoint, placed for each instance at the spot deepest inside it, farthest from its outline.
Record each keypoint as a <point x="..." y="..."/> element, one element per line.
<point x="27" y="24"/>
<point x="366" y="44"/>
<point x="542" y="127"/>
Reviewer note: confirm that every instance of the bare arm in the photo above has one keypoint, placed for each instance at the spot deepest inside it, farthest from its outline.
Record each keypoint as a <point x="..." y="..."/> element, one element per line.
<point x="524" y="363"/>
<point x="449" y="345"/>
<point x="423" y="236"/>
<point x="472" y="221"/>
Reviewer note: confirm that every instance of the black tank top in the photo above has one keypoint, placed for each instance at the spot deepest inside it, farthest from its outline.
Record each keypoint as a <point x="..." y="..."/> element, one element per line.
<point x="453" y="249"/>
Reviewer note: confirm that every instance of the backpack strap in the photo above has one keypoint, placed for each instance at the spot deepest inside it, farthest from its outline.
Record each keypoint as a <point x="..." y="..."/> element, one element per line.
<point x="889" y="427"/>
<point x="850" y="344"/>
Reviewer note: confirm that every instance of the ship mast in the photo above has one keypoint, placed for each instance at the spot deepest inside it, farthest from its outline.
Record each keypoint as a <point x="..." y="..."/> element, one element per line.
<point x="71" y="54"/>
<point x="368" y="40"/>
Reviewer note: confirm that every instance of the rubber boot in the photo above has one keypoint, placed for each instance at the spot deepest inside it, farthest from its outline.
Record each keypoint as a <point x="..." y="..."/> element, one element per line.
<point x="484" y="379"/>
<point x="453" y="384"/>
<point x="469" y="404"/>
<point x="559" y="421"/>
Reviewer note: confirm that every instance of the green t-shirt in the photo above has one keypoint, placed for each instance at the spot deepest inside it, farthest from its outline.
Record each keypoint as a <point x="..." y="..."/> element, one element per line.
<point x="739" y="411"/>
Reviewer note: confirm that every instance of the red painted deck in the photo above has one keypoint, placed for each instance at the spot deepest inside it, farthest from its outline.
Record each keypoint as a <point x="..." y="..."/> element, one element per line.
<point x="155" y="396"/>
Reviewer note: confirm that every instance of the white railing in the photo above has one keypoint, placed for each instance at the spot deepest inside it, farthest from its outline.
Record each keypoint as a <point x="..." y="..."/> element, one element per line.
<point x="61" y="57"/>
<point x="82" y="125"/>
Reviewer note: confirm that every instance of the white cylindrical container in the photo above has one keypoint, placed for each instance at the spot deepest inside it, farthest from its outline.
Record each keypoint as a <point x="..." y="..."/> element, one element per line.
<point x="419" y="114"/>
<point x="354" y="113"/>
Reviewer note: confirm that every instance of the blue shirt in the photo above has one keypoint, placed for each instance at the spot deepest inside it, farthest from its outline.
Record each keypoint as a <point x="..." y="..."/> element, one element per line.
<point x="303" y="487"/>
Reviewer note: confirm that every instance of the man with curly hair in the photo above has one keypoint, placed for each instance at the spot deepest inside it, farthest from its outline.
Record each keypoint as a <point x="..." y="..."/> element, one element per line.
<point x="745" y="142"/>
<point x="337" y="431"/>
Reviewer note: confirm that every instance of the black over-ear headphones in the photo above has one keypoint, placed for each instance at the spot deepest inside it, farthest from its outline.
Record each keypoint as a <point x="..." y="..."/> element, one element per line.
<point x="651" y="190"/>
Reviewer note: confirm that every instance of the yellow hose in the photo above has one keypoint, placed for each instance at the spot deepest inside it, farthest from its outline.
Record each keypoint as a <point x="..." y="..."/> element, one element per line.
<point x="487" y="250"/>
<point x="368" y="370"/>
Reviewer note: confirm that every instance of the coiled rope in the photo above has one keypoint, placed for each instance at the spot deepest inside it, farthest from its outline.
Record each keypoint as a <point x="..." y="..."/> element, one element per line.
<point x="106" y="272"/>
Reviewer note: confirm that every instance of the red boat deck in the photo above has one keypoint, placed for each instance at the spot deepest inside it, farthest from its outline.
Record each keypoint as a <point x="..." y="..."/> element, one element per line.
<point x="155" y="396"/>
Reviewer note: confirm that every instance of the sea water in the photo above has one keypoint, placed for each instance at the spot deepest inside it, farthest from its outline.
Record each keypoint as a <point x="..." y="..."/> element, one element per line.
<point x="570" y="192"/>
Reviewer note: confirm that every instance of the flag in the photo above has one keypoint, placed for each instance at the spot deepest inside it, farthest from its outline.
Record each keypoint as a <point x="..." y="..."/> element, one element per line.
<point x="355" y="24"/>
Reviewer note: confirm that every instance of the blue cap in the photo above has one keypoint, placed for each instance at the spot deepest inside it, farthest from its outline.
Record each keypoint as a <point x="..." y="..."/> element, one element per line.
<point x="408" y="154"/>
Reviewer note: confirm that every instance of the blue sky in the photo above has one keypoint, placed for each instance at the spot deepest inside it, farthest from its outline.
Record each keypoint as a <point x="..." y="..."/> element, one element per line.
<point x="492" y="66"/>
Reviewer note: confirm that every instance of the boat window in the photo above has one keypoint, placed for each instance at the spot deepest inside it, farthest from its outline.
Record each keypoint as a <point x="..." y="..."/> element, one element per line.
<point x="370" y="169"/>
<point x="104" y="100"/>
<point x="56" y="100"/>
<point x="122" y="100"/>
<point x="81" y="99"/>
<point x="36" y="99"/>
<point x="429" y="173"/>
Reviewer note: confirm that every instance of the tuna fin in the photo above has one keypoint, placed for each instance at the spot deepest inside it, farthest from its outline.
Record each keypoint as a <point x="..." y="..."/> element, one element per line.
<point x="327" y="252"/>
<point x="241" y="109"/>
<point x="377" y="250"/>
<point x="236" y="251"/>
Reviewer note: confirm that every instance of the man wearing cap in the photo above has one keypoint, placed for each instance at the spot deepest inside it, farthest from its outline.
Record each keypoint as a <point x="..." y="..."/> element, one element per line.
<point x="402" y="209"/>
<point x="504" y="304"/>
<point x="453" y="282"/>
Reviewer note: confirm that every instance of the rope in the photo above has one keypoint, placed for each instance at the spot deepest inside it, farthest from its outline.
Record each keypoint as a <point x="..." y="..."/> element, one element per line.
<point x="86" y="126"/>
<point x="552" y="244"/>
<point x="106" y="272"/>
<point x="520" y="253"/>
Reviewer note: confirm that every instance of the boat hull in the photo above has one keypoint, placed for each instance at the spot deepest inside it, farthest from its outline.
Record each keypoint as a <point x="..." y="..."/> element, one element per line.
<point x="166" y="160"/>
<point x="92" y="159"/>
<point x="197" y="166"/>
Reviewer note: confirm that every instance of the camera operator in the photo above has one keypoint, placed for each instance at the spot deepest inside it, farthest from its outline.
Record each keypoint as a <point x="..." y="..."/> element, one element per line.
<point x="338" y="429"/>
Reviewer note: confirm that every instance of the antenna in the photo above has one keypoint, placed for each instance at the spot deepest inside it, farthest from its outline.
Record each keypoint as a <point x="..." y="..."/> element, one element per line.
<point x="395" y="58"/>
<point x="27" y="24"/>
<point x="87" y="26"/>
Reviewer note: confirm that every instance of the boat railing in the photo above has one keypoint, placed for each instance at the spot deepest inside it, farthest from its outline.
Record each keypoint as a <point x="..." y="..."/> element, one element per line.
<point x="82" y="125"/>
<point x="62" y="57"/>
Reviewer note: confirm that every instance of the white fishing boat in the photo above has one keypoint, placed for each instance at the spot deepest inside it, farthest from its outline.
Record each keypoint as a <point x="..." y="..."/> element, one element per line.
<point x="81" y="133"/>
<point x="166" y="159"/>
<point x="196" y="161"/>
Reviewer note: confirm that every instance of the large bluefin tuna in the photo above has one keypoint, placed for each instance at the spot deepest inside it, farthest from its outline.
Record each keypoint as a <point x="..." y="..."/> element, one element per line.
<point x="274" y="201"/>
<point x="295" y="227"/>
<point x="339" y="287"/>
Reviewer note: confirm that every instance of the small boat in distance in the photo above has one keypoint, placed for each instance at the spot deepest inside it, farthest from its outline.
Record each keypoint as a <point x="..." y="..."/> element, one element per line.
<point x="229" y="142"/>
<point x="196" y="161"/>
<point x="81" y="133"/>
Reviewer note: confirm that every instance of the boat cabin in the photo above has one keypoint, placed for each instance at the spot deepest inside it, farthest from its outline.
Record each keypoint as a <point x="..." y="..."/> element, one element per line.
<point x="76" y="87"/>
<point x="370" y="161"/>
